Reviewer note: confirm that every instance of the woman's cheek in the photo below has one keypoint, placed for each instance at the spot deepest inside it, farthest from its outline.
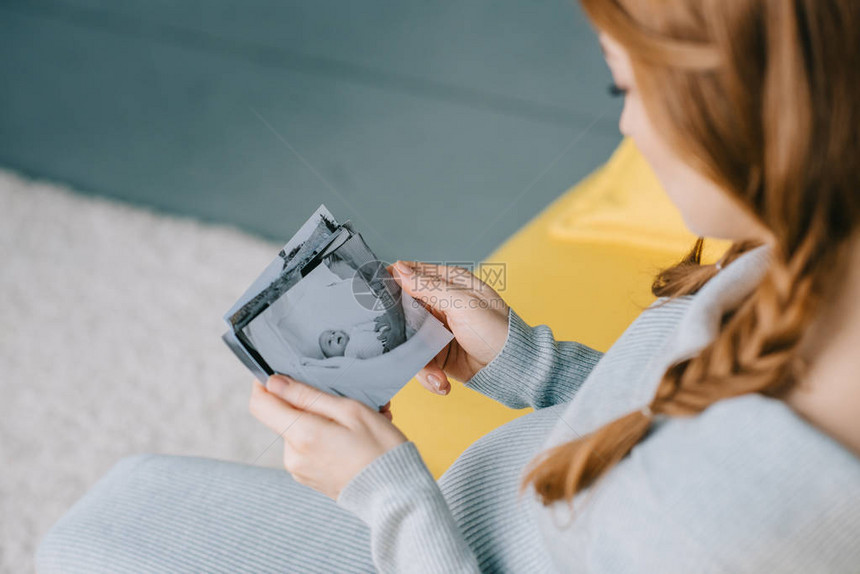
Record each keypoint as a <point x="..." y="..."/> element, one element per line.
<point x="624" y="120"/>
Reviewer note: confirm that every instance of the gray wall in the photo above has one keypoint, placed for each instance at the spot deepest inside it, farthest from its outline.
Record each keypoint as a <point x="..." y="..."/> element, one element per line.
<point x="438" y="127"/>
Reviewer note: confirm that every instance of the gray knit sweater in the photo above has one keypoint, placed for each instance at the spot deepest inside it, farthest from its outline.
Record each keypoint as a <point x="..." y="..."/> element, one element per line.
<point x="745" y="486"/>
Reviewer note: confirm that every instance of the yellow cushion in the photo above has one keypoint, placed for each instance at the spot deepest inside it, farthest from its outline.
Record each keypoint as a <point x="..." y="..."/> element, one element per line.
<point x="584" y="267"/>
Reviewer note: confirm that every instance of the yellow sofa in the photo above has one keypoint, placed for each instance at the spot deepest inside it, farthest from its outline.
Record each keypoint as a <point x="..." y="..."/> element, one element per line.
<point x="584" y="267"/>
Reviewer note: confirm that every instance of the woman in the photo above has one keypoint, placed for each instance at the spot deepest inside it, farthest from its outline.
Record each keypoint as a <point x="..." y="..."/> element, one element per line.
<point x="721" y="433"/>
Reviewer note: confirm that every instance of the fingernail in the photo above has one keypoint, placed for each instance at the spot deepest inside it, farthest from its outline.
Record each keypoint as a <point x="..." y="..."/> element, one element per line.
<point x="276" y="384"/>
<point x="403" y="268"/>
<point x="437" y="383"/>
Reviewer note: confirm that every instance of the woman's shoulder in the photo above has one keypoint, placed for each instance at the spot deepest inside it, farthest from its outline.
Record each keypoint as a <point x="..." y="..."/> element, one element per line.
<point x="652" y="325"/>
<point x="756" y="427"/>
<point x="746" y="485"/>
<point x="668" y="306"/>
<point x="749" y="468"/>
<point x="758" y="441"/>
<point x="677" y="302"/>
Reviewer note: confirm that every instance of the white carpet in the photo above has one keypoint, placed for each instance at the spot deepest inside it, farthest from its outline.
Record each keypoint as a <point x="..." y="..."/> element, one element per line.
<point x="110" y="324"/>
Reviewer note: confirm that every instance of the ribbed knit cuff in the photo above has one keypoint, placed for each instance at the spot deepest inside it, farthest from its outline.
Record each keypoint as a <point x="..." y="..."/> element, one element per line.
<point x="397" y="470"/>
<point x="502" y="378"/>
<point x="533" y="369"/>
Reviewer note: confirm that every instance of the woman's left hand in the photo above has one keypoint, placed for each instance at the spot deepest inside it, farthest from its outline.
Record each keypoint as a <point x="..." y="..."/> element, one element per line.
<point x="327" y="439"/>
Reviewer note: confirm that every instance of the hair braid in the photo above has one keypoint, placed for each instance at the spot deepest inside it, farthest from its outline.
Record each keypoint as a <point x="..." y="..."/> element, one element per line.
<point x="754" y="353"/>
<point x="775" y="125"/>
<point x="755" y="350"/>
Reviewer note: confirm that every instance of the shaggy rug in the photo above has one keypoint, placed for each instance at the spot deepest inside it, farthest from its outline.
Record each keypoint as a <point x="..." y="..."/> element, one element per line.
<point x="110" y="346"/>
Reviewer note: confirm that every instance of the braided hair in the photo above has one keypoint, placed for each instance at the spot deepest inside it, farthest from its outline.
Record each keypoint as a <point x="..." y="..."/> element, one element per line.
<point x="760" y="96"/>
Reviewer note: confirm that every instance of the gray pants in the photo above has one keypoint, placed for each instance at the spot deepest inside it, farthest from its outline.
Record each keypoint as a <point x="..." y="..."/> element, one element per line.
<point x="154" y="513"/>
<point x="159" y="513"/>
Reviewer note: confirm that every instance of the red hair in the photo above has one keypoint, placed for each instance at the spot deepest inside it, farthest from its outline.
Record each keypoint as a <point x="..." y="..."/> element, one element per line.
<point x="760" y="96"/>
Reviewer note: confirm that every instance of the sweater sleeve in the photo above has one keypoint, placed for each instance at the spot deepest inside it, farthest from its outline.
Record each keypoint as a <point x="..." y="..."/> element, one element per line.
<point x="411" y="526"/>
<point x="533" y="369"/>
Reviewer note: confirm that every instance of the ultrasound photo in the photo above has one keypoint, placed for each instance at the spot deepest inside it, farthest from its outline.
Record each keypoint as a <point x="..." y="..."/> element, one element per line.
<point x="327" y="312"/>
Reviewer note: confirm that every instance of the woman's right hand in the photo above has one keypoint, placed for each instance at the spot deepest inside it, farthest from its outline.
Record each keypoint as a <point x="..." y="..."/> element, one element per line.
<point x="472" y="310"/>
